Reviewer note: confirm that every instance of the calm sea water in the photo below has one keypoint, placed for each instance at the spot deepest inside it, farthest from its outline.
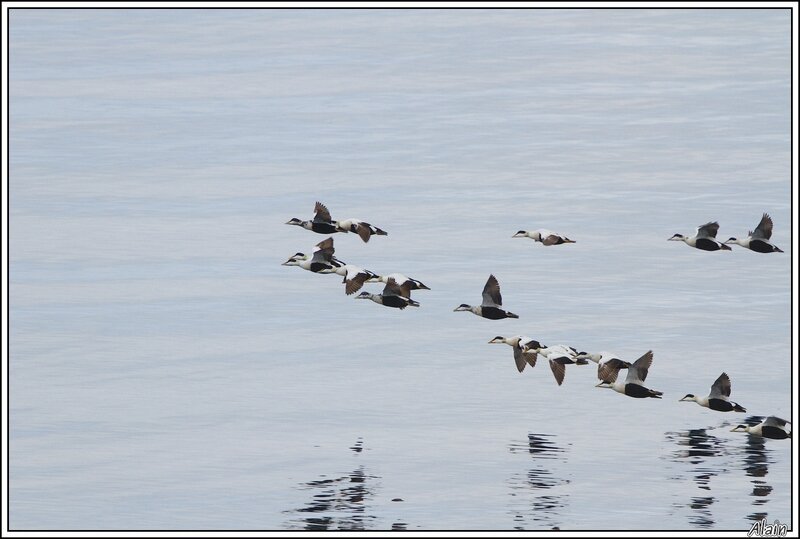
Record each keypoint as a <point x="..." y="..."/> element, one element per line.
<point x="166" y="372"/>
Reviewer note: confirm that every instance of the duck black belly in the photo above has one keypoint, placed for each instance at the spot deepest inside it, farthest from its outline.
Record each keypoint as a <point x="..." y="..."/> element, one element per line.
<point x="720" y="405"/>
<point x="639" y="392"/>
<point x="707" y="244"/>
<point x="493" y="313"/>
<point x="762" y="247"/>
<point x="774" y="432"/>
<point x="324" y="228"/>
<point x="395" y="301"/>
<point x="316" y="267"/>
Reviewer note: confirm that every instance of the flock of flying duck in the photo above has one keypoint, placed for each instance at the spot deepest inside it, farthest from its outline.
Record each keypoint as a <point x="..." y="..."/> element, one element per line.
<point x="397" y="293"/>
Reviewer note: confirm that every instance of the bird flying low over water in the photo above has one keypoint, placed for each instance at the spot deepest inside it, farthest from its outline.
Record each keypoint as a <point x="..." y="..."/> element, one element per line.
<point x="321" y="261"/>
<point x="546" y="237"/>
<point x="558" y="356"/>
<point x="321" y="223"/>
<point x="491" y="307"/>
<point x="633" y="386"/>
<point x="608" y="365"/>
<point x="521" y="357"/>
<point x="772" y="427"/>
<point x="718" y="398"/>
<point x="354" y="277"/>
<point x="393" y="295"/>
<point x="401" y="280"/>
<point x="704" y="238"/>
<point x="362" y="228"/>
<point x="758" y="239"/>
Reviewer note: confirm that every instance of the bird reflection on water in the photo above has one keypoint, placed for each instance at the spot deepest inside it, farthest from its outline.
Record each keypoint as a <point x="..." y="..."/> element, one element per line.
<point x="756" y="465"/>
<point x="696" y="448"/>
<point x="711" y="456"/>
<point x="544" y="507"/>
<point x="340" y="503"/>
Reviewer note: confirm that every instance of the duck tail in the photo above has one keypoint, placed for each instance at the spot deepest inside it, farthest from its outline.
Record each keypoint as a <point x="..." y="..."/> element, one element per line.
<point x="380" y="232"/>
<point x="511" y="315"/>
<point x="737" y="408"/>
<point x="656" y="394"/>
<point x="778" y="250"/>
<point x="567" y="240"/>
<point x="724" y="247"/>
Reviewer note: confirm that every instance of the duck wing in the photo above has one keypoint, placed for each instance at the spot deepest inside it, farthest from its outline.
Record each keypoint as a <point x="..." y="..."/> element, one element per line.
<point x="321" y="213"/>
<point x="491" y="293"/>
<point x="392" y="288"/>
<point x="637" y="373"/>
<point x="552" y="239"/>
<point x="708" y="230"/>
<point x="764" y="228"/>
<point x="608" y="370"/>
<point x="354" y="280"/>
<point x="519" y="358"/>
<point x="363" y="230"/>
<point x="558" y="371"/>
<point x="323" y="252"/>
<point x="529" y="355"/>
<point x="721" y="388"/>
<point x="773" y="421"/>
<point x="405" y="289"/>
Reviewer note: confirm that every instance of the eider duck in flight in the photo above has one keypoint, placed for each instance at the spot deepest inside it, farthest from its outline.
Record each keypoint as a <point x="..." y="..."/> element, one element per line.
<point x="772" y="427"/>
<point x="633" y="384"/>
<point x="559" y="356"/>
<point x="521" y="356"/>
<point x="704" y="238"/>
<point x="491" y="307"/>
<point x="401" y="280"/>
<point x="354" y="277"/>
<point x="321" y="261"/>
<point x="758" y="239"/>
<point x="321" y="223"/>
<point x="608" y="365"/>
<point x="362" y="228"/>
<point x="393" y="295"/>
<point x="546" y="237"/>
<point x="718" y="398"/>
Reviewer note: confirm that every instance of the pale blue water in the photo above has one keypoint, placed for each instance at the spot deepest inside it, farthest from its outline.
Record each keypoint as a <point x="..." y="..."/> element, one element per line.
<point x="166" y="372"/>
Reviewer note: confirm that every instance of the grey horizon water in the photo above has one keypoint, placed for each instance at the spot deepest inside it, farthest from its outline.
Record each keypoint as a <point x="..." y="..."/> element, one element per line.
<point x="166" y="372"/>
